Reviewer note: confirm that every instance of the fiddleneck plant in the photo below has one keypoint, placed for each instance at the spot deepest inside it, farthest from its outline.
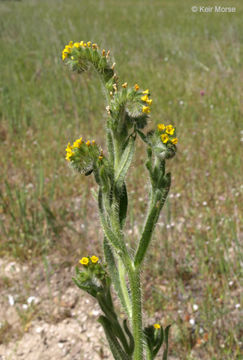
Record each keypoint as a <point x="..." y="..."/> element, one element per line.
<point x="128" y="111"/>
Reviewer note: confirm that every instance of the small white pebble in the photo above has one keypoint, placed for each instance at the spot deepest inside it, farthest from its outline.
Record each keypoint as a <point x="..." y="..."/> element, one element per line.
<point x="231" y="283"/>
<point x="11" y="300"/>
<point x="205" y="203"/>
<point x="237" y="306"/>
<point x="31" y="299"/>
<point x="181" y="102"/>
<point x="192" y="321"/>
<point x="25" y="306"/>
<point x="195" y="307"/>
<point x="178" y="195"/>
<point x="167" y="226"/>
<point x="201" y="331"/>
<point x="38" y="330"/>
<point x="95" y="312"/>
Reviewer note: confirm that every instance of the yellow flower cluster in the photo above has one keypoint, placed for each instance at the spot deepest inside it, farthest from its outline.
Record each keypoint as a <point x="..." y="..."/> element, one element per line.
<point x="167" y="130"/>
<point x="145" y="98"/>
<point x="77" y="144"/>
<point x="85" y="260"/>
<point x="68" y="48"/>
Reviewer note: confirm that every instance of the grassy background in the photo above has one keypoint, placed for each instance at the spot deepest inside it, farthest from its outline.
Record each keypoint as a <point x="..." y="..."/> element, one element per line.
<point x="45" y="207"/>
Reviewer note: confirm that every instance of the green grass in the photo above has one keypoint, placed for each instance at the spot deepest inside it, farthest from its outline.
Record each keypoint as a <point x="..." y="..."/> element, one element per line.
<point x="162" y="46"/>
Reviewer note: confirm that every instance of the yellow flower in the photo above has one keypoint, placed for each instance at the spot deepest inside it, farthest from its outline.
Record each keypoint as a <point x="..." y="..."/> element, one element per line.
<point x="69" y="152"/>
<point x="84" y="261"/>
<point x="170" y="130"/>
<point x="164" y="138"/>
<point x="77" y="143"/>
<point x="68" y="155"/>
<point x="161" y="127"/>
<point x="77" y="45"/>
<point x="146" y="109"/>
<point x="146" y="91"/>
<point x="100" y="157"/>
<point x="81" y="43"/>
<point x="95" y="46"/>
<point x="124" y="85"/>
<point x="174" y="141"/>
<point x="84" y="44"/>
<point x="157" y="326"/>
<point x="103" y="52"/>
<point x="149" y="101"/>
<point x="136" y="87"/>
<point x="64" y="55"/>
<point x="88" y="143"/>
<point x="66" y="51"/>
<point x="144" y="98"/>
<point x="94" y="259"/>
<point x="70" y="43"/>
<point x="89" y="43"/>
<point x="93" y="142"/>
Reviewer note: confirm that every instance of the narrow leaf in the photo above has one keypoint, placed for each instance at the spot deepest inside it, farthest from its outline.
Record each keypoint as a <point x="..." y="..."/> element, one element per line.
<point x="167" y="329"/>
<point x="125" y="162"/>
<point x="128" y="332"/>
<point x="160" y="342"/>
<point x="115" y="347"/>
<point x="123" y="202"/>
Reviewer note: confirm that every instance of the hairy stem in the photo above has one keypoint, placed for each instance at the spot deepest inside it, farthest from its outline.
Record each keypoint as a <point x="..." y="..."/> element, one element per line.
<point x="122" y="277"/>
<point x="134" y="278"/>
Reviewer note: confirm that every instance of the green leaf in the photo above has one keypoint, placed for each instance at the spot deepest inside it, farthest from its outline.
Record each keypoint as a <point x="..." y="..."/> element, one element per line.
<point x="125" y="162"/>
<point x="142" y="136"/>
<point x="167" y="329"/>
<point x="128" y="332"/>
<point x="115" y="347"/>
<point x="113" y="271"/>
<point x="159" y="342"/>
<point x="123" y="202"/>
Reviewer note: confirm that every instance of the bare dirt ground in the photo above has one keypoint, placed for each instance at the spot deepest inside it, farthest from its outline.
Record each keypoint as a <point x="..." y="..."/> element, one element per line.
<point x="44" y="316"/>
